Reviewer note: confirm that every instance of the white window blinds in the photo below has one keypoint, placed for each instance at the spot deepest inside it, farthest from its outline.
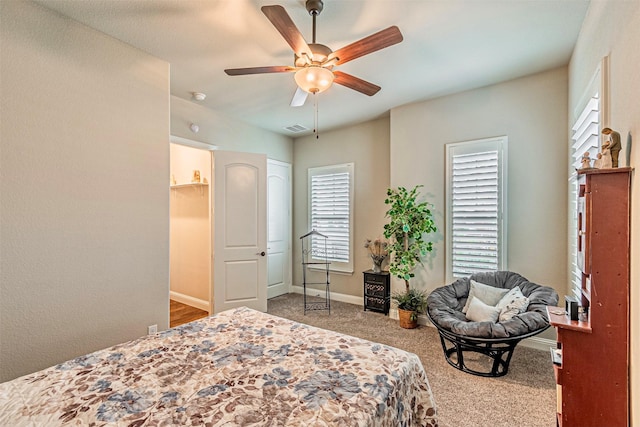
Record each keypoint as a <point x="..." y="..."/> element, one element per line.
<point x="475" y="214"/>
<point x="585" y="132"/>
<point x="330" y="213"/>
<point x="585" y="138"/>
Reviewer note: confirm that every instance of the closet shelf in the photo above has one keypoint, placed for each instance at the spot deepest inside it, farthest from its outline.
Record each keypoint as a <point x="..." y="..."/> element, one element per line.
<point x="191" y="184"/>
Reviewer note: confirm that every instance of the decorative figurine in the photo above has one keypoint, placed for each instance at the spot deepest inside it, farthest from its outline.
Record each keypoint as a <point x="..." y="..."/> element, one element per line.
<point x="614" y="145"/>
<point x="586" y="161"/>
<point x="605" y="156"/>
<point x="196" y="176"/>
<point x="597" y="163"/>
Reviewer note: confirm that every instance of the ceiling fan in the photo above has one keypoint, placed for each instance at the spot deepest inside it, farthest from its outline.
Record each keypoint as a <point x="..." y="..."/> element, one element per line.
<point x="314" y="62"/>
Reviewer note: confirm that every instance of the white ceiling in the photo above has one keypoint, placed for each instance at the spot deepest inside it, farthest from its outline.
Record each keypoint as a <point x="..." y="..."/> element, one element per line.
<point x="449" y="46"/>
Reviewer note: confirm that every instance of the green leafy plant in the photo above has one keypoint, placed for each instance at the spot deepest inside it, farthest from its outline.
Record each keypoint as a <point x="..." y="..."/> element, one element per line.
<point x="412" y="300"/>
<point x="410" y="222"/>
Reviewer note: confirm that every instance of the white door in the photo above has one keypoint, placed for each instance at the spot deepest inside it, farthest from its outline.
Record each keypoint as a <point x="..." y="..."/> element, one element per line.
<point x="278" y="228"/>
<point x="240" y="236"/>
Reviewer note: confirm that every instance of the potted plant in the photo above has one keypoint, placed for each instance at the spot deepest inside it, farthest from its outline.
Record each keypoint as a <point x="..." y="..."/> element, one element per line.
<point x="409" y="223"/>
<point x="410" y="304"/>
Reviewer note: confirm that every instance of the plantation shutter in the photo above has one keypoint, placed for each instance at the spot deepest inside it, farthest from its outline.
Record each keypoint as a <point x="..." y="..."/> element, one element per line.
<point x="475" y="213"/>
<point x="330" y="212"/>
<point x="585" y="138"/>
<point x="585" y="132"/>
<point x="475" y="201"/>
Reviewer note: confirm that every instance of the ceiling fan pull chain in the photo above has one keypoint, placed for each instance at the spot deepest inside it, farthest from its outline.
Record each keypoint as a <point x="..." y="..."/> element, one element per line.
<point x="315" y="116"/>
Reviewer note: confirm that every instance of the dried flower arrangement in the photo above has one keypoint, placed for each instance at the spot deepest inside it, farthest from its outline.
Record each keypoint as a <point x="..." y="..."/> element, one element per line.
<point x="378" y="252"/>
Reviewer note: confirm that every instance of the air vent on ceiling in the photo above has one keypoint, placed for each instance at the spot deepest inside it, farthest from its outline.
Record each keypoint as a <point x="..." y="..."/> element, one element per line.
<point x="296" y="128"/>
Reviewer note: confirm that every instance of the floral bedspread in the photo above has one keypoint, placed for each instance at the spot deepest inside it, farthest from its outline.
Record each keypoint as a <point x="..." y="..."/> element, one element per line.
<point x="237" y="368"/>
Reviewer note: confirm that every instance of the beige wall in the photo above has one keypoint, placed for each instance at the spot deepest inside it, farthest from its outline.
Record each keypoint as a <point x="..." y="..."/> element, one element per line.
<point x="226" y="133"/>
<point x="190" y="235"/>
<point x="184" y="160"/>
<point x="84" y="200"/>
<point x="531" y="112"/>
<point x="613" y="28"/>
<point x="367" y="146"/>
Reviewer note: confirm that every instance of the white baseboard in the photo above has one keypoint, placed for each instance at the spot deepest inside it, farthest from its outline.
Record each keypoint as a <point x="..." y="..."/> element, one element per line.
<point x="186" y="299"/>
<point x="350" y="299"/>
<point x="539" y="343"/>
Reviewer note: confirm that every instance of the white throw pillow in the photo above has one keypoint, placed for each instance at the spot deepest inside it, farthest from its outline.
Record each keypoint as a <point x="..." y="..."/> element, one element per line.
<point x="481" y="312"/>
<point x="512" y="304"/>
<point x="485" y="293"/>
<point x="506" y="299"/>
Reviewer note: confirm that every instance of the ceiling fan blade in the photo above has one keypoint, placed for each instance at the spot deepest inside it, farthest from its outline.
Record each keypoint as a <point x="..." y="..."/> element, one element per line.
<point x="259" y="70"/>
<point x="299" y="98"/>
<point x="380" y="40"/>
<point x="283" y="23"/>
<point x="355" y="83"/>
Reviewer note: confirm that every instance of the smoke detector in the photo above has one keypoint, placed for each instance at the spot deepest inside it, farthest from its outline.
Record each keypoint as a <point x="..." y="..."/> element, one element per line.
<point x="199" y="96"/>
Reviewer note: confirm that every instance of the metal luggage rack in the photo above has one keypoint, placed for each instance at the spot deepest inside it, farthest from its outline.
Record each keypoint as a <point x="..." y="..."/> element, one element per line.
<point x="319" y="260"/>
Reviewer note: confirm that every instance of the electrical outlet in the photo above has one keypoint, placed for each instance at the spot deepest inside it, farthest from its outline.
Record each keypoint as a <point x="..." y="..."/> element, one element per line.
<point x="153" y="329"/>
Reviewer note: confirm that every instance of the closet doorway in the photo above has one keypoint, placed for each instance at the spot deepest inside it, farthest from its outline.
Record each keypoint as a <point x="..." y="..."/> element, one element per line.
<point x="190" y="230"/>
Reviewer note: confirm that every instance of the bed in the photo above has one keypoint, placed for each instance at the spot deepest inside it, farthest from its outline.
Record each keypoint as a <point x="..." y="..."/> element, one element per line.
<point x="239" y="367"/>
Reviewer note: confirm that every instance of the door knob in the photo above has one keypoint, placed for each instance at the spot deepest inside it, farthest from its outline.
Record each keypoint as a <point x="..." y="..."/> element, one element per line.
<point x="263" y="253"/>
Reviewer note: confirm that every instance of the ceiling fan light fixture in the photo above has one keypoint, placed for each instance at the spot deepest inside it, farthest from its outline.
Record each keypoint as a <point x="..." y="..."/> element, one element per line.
<point x="314" y="79"/>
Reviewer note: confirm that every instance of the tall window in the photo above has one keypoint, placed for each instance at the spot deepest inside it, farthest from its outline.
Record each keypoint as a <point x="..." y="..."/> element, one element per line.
<point x="331" y="214"/>
<point x="591" y="113"/>
<point x="476" y="185"/>
<point x="584" y="136"/>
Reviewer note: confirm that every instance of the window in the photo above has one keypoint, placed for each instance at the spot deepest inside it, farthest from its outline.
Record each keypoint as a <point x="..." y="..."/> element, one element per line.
<point x="584" y="136"/>
<point x="476" y="185"/>
<point x="590" y="115"/>
<point x="331" y="214"/>
<point x="585" y="131"/>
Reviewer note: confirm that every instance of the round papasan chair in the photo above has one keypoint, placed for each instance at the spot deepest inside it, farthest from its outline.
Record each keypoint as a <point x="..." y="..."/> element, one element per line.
<point x="498" y="339"/>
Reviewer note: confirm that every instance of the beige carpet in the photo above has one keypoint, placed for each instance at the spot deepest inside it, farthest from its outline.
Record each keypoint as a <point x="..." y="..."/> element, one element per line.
<point x="525" y="397"/>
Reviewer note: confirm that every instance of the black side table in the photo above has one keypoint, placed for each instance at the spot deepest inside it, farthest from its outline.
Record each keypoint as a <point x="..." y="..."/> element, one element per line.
<point x="377" y="289"/>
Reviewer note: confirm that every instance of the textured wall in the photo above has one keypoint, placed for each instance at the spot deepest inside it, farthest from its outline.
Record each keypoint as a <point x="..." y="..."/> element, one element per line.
<point x="84" y="197"/>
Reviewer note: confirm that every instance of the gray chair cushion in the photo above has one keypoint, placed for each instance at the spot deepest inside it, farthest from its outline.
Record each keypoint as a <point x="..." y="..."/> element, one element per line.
<point x="445" y="306"/>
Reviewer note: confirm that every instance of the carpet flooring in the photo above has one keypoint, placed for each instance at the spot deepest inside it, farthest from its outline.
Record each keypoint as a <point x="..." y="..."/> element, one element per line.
<point x="525" y="397"/>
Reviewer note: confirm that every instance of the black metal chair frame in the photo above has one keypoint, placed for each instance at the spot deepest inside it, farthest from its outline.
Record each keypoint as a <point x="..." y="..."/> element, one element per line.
<point x="499" y="350"/>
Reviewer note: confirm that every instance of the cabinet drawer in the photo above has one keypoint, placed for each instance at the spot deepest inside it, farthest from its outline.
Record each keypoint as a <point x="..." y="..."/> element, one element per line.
<point x="373" y="278"/>
<point x="375" y="303"/>
<point x="375" y="290"/>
